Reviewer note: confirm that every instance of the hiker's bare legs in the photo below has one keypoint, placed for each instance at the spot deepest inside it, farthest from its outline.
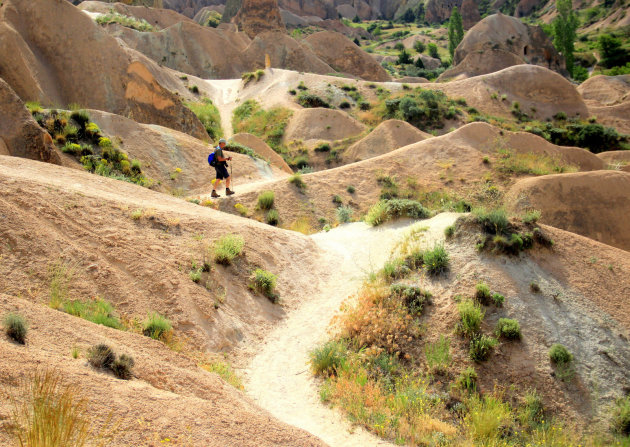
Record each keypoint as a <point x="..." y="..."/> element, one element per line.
<point x="227" y="182"/>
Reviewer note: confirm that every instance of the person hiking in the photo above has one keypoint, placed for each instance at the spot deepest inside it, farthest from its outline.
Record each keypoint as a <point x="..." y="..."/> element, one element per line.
<point x="221" y="169"/>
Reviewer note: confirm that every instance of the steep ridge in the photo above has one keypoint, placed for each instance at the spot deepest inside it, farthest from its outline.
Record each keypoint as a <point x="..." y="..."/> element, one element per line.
<point x="94" y="71"/>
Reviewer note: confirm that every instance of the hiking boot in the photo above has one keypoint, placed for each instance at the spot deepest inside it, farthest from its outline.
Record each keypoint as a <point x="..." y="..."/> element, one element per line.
<point x="214" y="194"/>
<point x="228" y="192"/>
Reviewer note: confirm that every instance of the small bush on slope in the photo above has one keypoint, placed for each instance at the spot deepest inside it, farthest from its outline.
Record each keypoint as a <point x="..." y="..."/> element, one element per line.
<point x="227" y="248"/>
<point x="16" y="327"/>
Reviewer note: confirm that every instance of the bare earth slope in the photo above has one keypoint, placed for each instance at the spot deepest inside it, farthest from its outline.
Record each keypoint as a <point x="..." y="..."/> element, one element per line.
<point x="608" y="98"/>
<point x="93" y="71"/>
<point x="593" y="204"/>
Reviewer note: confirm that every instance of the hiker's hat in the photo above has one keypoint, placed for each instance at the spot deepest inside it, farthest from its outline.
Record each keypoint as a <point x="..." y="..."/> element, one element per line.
<point x="222" y="140"/>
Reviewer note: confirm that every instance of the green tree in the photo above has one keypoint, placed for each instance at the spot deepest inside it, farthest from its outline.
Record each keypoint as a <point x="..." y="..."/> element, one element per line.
<point x="404" y="58"/>
<point x="433" y="50"/>
<point x="455" y="31"/>
<point x="419" y="46"/>
<point x="564" y="27"/>
<point x="611" y="51"/>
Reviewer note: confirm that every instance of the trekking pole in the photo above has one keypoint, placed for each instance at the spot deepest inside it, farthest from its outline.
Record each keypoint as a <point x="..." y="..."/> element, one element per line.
<point x="232" y="178"/>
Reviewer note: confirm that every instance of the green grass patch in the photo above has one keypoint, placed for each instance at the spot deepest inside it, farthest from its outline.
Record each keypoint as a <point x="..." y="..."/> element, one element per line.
<point x="227" y="248"/>
<point x="97" y="311"/>
<point x="265" y="200"/>
<point x="267" y="124"/>
<point x="508" y="328"/>
<point x="265" y="283"/>
<point x="156" y="326"/>
<point x="328" y="359"/>
<point x="126" y="21"/>
<point x="391" y="209"/>
<point x="225" y="371"/>
<point x="471" y="315"/>
<point x="16" y="327"/>
<point x="209" y="116"/>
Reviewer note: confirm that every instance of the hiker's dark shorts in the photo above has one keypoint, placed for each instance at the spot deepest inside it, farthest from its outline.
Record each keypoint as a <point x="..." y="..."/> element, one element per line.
<point x="222" y="172"/>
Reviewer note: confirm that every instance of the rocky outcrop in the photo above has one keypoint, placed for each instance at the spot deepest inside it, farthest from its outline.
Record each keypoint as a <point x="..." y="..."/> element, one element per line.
<point x="344" y="56"/>
<point x="593" y="204"/>
<point x="159" y="18"/>
<point x="259" y="16"/>
<point x="94" y="70"/>
<point x="231" y="9"/>
<point x="608" y="98"/>
<point x="500" y="41"/>
<point x="262" y="149"/>
<point x="388" y="136"/>
<point x="470" y="13"/>
<point x="437" y="11"/>
<point x="20" y="135"/>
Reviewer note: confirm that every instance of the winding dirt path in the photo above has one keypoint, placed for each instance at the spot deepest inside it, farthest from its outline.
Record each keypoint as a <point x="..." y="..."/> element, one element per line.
<point x="278" y="378"/>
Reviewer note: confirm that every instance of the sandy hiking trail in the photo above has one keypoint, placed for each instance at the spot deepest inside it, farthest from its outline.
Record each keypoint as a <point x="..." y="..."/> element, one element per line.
<point x="278" y="377"/>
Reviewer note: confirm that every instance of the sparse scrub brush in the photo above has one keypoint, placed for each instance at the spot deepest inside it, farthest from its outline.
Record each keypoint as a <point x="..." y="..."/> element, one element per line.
<point x="481" y="346"/>
<point x="122" y="367"/>
<point x="449" y="231"/>
<point x="265" y="282"/>
<point x="493" y="221"/>
<point x="101" y="356"/>
<point x="532" y="216"/>
<point x="227" y="248"/>
<point x="16" y="327"/>
<point x="498" y="299"/>
<point x="508" y="328"/>
<point x="414" y="297"/>
<point x="351" y="189"/>
<point x="297" y="180"/>
<point x="272" y="217"/>
<point x="471" y="316"/>
<point x="436" y="260"/>
<point x="329" y="359"/>
<point x="621" y="416"/>
<point x="482" y="292"/>
<point x="559" y="355"/>
<point x="265" y="200"/>
<point x="467" y="379"/>
<point x="344" y="214"/>
<point x="156" y="326"/>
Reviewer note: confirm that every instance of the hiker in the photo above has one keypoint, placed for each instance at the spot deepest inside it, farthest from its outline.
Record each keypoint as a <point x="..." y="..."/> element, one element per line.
<point x="220" y="167"/>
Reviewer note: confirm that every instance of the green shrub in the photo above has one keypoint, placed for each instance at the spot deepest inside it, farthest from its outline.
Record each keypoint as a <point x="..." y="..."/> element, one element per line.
<point x="534" y="287"/>
<point x="98" y="311"/>
<point x="122" y="367"/>
<point x="351" y="189"/>
<point x="16" y="327"/>
<point x="438" y="354"/>
<point x="449" y="231"/>
<point x="195" y="275"/>
<point x="493" y="221"/>
<point x="471" y="316"/>
<point x="209" y="116"/>
<point x="396" y="268"/>
<point x="395" y="208"/>
<point x="482" y="292"/>
<point x="272" y="217"/>
<point x="92" y="129"/>
<point x="560" y="355"/>
<point x="344" y="214"/>
<point x="126" y="21"/>
<point x="498" y="299"/>
<point x="156" y="326"/>
<point x="329" y="359"/>
<point x="322" y="147"/>
<point x="337" y="199"/>
<point x="508" y="328"/>
<point x="481" y="346"/>
<point x="621" y="416"/>
<point x="297" y="180"/>
<point x="467" y="379"/>
<point x="413" y="297"/>
<point x="309" y="100"/>
<point x="227" y="248"/>
<point x="101" y="356"/>
<point x="71" y="148"/>
<point x="81" y="117"/>
<point x="531" y="217"/>
<point x="265" y="282"/>
<point x="436" y="260"/>
<point x="265" y="200"/>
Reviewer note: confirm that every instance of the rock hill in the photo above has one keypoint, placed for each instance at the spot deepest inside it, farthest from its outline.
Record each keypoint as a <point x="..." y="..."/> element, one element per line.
<point x="498" y="42"/>
<point x="257" y="16"/>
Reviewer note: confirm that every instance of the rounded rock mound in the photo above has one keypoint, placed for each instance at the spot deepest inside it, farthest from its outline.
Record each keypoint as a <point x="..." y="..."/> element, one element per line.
<point x="322" y="124"/>
<point x="594" y="204"/>
<point x="386" y="137"/>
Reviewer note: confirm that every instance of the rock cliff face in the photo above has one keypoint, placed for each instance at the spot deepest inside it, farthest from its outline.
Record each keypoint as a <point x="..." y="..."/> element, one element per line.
<point x="258" y="16"/>
<point x="500" y="41"/>
<point x="92" y="70"/>
<point x="20" y="135"/>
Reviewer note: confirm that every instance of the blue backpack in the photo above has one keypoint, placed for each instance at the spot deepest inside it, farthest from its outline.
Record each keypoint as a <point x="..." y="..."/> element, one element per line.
<point x="212" y="160"/>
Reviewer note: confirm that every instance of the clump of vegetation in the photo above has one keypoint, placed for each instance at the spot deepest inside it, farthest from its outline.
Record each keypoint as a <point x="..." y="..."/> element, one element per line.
<point x="344" y="214"/>
<point x="414" y="298"/>
<point x="482" y="292"/>
<point x="559" y="355"/>
<point x="252" y="76"/>
<point x="492" y="221"/>
<point x="265" y="200"/>
<point x="227" y="248"/>
<point x="498" y="299"/>
<point x="209" y="116"/>
<point x="621" y="416"/>
<point x="156" y="326"/>
<point x="508" y="328"/>
<point x="16" y="327"/>
<point x="435" y="260"/>
<point x="297" y="180"/>
<point x="449" y="231"/>
<point x="391" y="209"/>
<point x="467" y="380"/>
<point x="98" y="311"/>
<point x="269" y="125"/>
<point x="310" y="100"/>
<point x="103" y="357"/>
<point x="126" y="21"/>
<point x="531" y="217"/>
<point x="265" y="283"/>
<point x="328" y="359"/>
<point x="272" y="217"/>
<point x="322" y="147"/>
<point x="424" y="109"/>
<point x="438" y="354"/>
<point x="351" y="189"/>
<point x="47" y="412"/>
<point x="471" y="315"/>
<point x="481" y="347"/>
